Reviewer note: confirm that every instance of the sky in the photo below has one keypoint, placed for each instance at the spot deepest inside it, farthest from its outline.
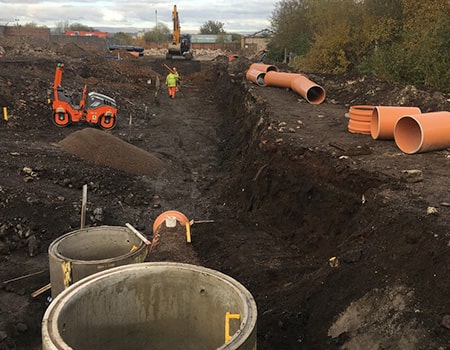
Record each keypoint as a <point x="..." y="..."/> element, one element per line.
<point x="238" y="16"/>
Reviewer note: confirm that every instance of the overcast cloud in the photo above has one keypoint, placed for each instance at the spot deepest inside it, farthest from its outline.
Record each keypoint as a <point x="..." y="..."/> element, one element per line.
<point x="238" y="16"/>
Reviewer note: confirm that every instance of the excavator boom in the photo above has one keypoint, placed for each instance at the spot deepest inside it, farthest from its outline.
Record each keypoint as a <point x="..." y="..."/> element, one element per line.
<point x="176" y="26"/>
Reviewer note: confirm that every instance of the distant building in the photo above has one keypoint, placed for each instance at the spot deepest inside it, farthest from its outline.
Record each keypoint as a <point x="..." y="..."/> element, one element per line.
<point x="258" y="40"/>
<point x="211" y="38"/>
<point x="86" y="33"/>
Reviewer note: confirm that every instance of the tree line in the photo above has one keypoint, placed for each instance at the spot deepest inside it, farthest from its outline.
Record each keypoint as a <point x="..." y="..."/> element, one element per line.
<point x="406" y="41"/>
<point x="159" y="33"/>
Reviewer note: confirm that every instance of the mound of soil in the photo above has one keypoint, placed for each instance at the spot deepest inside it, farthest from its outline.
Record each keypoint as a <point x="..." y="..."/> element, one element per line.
<point x="104" y="149"/>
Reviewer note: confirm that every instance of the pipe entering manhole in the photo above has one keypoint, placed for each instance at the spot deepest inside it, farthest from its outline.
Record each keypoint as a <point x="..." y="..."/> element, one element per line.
<point x="159" y="305"/>
<point x="84" y="252"/>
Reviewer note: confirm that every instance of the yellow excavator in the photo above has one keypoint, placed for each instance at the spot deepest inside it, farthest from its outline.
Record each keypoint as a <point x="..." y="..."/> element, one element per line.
<point x="181" y="44"/>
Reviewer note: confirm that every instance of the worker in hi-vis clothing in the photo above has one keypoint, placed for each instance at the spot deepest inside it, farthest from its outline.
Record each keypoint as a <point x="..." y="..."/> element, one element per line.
<point x="172" y="82"/>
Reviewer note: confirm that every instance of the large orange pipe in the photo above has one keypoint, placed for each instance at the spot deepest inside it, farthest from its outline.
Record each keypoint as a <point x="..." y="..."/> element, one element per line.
<point x="280" y="79"/>
<point x="309" y="90"/>
<point x="257" y="72"/>
<point x="360" y="117"/>
<point x="423" y="132"/>
<point x="256" y="76"/>
<point x="181" y="218"/>
<point x="384" y="119"/>
<point x="264" y="67"/>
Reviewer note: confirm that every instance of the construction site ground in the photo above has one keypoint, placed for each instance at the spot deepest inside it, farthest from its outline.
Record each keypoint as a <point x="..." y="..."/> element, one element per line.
<point x="341" y="246"/>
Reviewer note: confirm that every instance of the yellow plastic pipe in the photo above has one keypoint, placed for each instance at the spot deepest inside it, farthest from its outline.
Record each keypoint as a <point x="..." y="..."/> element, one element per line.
<point x="423" y="132"/>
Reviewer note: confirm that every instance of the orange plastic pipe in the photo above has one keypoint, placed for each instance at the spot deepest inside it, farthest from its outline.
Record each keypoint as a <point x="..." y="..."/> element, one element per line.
<point x="257" y="72"/>
<point x="357" y="127"/>
<point x="256" y="76"/>
<point x="309" y="90"/>
<point x="280" y="79"/>
<point x="362" y="113"/>
<point x="384" y="119"/>
<point x="264" y="67"/>
<point x="312" y="92"/>
<point x="181" y="218"/>
<point x="423" y="132"/>
<point x="360" y="119"/>
<point x="134" y="53"/>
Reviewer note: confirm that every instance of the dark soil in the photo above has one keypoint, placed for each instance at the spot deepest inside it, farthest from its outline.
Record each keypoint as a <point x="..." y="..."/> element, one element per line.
<point x="340" y="247"/>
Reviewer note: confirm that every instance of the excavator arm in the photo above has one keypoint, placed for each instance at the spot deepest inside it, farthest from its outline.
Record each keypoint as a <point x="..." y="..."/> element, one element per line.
<point x="176" y="26"/>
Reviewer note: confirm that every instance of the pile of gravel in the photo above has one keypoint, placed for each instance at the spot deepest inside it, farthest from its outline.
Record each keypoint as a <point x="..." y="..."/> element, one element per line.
<point x="101" y="148"/>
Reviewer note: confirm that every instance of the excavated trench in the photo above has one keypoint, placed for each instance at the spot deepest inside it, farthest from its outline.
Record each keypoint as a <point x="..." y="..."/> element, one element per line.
<point x="291" y="188"/>
<point x="335" y="247"/>
<point x="322" y="235"/>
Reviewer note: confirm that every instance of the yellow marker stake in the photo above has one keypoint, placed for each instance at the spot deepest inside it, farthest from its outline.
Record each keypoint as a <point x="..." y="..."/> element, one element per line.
<point x="5" y="113"/>
<point x="229" y="316"/>
<point x="188" y="232"/>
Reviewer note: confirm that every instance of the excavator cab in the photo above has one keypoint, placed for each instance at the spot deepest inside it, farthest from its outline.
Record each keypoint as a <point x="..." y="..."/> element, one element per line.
<point x="181" y="48"/>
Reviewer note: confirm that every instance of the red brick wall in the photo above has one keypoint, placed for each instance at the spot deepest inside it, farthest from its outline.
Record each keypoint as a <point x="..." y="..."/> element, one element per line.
<point x="42" y="33"/>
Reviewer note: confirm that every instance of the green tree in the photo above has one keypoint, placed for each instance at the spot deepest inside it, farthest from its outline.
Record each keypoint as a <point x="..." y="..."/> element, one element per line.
<point x="159" y="33"/>
<point x="426" y="39"/>
<point x="211" y="27"/>
<point x="291" y="27"/>
<point x="80" y="27"/>
<point x="410" y="41"/>
<point x="121" y="38"/>
<point x="381" y="28"/>
<point x="336" y="40"/>
<point x="405" y="41"/>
